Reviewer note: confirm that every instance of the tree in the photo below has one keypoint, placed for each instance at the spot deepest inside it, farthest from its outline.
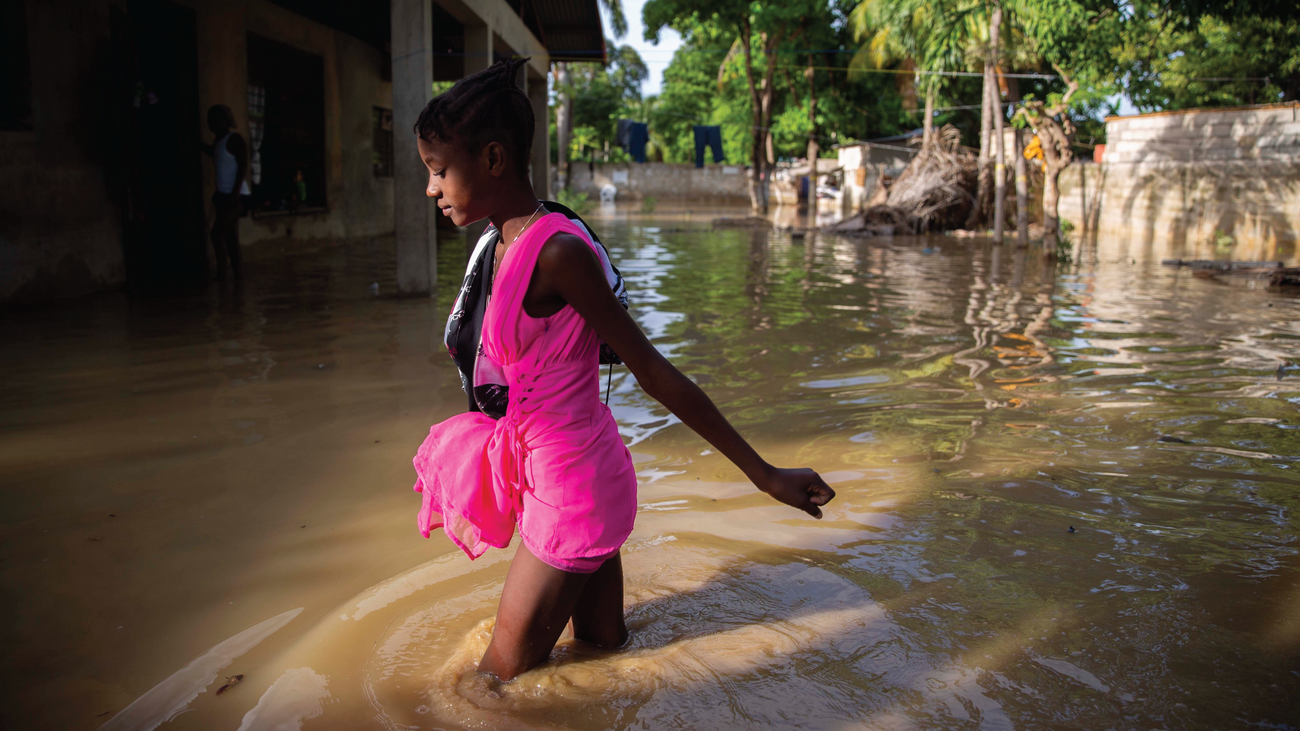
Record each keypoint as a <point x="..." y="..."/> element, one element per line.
<point x="1083" y="34"/>
<point x="599" y="96"/>
<point x="564" y="109"/>
<point x="756" y="29"/>
<point x="1177" y="61"/>
<point x="1051" y="122"/>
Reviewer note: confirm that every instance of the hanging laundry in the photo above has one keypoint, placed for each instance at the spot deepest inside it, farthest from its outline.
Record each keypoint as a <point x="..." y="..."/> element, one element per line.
<point x="638" y="136"/>
<point x="708" y="136"/>
<point x="632" y="137"/>
<point x="623" y="133"/>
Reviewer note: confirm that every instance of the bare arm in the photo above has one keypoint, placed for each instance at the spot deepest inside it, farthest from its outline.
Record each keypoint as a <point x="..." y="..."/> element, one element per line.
<point x="235" y="146"/>
<point x="568" y="271"/>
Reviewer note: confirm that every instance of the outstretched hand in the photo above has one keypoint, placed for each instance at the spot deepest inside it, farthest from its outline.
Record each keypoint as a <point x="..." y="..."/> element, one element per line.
<point x="799" y="488"/>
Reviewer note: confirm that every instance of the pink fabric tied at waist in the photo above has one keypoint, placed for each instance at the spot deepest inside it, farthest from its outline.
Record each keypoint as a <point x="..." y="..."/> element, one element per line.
<point x="481" y="513"/>
<point x="488" y="496"/>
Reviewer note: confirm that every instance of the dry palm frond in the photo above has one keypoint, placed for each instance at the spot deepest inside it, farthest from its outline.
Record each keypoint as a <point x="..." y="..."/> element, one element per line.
<point x="937" y="187"/>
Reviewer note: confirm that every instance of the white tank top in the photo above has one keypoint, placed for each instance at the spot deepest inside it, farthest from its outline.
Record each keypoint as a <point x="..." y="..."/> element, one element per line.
<point x="227" y="167"/>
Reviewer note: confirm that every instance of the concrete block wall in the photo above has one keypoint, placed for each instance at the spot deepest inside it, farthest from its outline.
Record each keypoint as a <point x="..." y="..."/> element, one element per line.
<point x="662" y="180"/>
<point x="1170" y="181"/>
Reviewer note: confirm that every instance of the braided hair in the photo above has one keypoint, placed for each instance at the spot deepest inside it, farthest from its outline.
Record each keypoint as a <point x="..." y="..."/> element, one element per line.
<point x="484" y="107"/>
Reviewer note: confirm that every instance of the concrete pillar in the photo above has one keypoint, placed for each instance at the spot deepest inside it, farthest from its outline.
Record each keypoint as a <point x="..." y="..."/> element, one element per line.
<point x="478" y="48"/>
<point x="414" y="213"/>
<point x="541" y="162"/>
<point x="478" y="56"/>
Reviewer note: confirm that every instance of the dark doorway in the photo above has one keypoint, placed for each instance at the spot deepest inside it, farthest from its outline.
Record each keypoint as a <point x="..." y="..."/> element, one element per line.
<point x="164" y="237"/>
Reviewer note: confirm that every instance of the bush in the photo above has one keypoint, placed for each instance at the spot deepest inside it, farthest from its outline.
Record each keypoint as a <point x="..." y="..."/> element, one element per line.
<point x="579" y="203"/>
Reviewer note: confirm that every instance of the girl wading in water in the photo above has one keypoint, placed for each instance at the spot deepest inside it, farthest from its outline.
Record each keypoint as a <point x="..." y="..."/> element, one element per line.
<point x="553" y="464"/>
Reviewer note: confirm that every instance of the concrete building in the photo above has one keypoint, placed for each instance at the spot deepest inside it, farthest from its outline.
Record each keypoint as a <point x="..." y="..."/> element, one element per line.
<point x="1198" y="183"/>
<point x="863" y="164"/>
<point x="102" y="108"/>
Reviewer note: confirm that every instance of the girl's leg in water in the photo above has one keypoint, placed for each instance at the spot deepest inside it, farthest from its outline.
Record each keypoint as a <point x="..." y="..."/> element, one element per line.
<point x="536" y="604"/>
<point x="598" y="618"/>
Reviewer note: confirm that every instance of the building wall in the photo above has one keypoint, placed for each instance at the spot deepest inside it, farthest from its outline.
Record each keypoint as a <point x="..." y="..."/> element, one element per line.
<point x="60" y="228"/>
<point x="60" y="217"/>
<point x="874" y="161"/>
<point x="662" y="180"/>
<point x="1169" y="181"/>
<point x="359" y="203"/>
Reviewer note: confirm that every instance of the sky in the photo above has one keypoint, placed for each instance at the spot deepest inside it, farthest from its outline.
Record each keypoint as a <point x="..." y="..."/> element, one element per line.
<point x="656" y="57"/>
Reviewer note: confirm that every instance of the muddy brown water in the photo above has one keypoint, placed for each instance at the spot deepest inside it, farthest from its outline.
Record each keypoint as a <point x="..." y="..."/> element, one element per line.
<point x="219" y="484"/>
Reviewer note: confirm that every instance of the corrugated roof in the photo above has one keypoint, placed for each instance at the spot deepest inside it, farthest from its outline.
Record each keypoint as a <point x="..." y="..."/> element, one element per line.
<point x="571" y="30"/>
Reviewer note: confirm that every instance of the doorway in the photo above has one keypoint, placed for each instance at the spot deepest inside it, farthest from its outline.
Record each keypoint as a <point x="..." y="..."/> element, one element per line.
<point x="164" y="234"/>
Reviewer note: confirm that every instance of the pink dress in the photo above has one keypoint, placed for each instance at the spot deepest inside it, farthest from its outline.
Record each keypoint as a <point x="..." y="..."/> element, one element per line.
<point x="555" y="465"/>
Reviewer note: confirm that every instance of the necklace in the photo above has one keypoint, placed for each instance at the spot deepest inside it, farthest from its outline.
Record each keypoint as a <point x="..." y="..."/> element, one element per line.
<point x="540" y="206"/>
<point x="497" y="264"/>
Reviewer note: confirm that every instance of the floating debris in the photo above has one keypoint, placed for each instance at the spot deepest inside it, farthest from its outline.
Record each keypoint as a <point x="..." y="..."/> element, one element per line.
<point x="1171" y="440"/>
<point x="231" y="681"/>
<point x="1072" y="529"/>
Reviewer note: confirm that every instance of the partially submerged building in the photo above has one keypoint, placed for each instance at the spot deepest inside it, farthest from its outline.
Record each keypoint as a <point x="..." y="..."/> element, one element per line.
<point x="1195" y="183"/>
<point x="102" y="108"/>
<point x="866" y="164"/>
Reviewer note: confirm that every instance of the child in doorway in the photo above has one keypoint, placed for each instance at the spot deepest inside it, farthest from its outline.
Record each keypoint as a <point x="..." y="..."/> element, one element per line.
<point x="554" y="463"/>
<point x="230" y="161"/>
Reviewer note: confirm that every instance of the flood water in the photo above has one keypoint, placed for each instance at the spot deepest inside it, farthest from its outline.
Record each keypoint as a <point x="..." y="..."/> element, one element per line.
<point x="1067" y="498"/>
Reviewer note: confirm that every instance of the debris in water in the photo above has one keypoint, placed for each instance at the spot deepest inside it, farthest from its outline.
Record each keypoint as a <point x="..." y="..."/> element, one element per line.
<point x="231" y="681"/>
<point x="742" y="222"/>
<point x="1281" y="371"/>
<point x="936" y="470"/>
<point x="1071" y="529"/>
<point x="1172" y="440"/>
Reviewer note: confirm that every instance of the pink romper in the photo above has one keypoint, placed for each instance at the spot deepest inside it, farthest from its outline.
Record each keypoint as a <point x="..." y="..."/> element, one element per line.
<point x="555" y="464"/>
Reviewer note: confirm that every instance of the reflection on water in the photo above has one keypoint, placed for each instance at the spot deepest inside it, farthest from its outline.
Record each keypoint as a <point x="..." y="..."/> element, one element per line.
<point x="1066" y="500"/>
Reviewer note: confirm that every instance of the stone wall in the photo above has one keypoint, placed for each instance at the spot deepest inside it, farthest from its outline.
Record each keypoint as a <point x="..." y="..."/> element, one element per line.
<point x="662" y="180"/>
<point x="1170" y="182"/>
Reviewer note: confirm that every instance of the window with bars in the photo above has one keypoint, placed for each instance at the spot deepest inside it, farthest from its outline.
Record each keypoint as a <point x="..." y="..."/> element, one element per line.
<point x="286" y="89"/>
<point x="383" y="147"/>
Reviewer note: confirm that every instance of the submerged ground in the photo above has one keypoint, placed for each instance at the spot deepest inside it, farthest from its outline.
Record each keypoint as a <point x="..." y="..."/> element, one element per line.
<point x="219" y="484"/>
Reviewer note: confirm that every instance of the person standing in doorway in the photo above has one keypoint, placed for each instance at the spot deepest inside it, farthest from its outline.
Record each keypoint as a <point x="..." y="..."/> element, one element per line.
<point x="230" y="160"/>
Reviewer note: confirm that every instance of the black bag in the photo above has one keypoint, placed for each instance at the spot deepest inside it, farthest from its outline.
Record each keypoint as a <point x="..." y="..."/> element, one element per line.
<point x="483" y="382"/>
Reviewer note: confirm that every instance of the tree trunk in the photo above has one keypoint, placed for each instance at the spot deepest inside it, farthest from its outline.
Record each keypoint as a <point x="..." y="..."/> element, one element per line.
<point x="999" y="142"/>
<point x="757" y="201"/>
<point x="927" y="124"/>
<point x="814" y="149"/>
<point x="978" y="215"/>
<point x="1051" y="200"/>
<point x="1022" y="172"/>
<point x="563" y="121"/>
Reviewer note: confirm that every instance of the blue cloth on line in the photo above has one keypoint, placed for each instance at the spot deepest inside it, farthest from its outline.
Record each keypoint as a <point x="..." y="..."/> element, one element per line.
<point x="638" y="136"/>
<point x="708" y="136"/>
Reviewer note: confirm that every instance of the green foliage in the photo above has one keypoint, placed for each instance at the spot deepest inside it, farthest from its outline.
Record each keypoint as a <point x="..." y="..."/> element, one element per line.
<point x="1065" y="242"/>
<point x="1177" y="62"/>
<point x="706" y="81"/>
<point x="579" y="203"/>
<point x="648" y="204"/>
<point x="602" y="96"/>
<point x="1223" y="242"/>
